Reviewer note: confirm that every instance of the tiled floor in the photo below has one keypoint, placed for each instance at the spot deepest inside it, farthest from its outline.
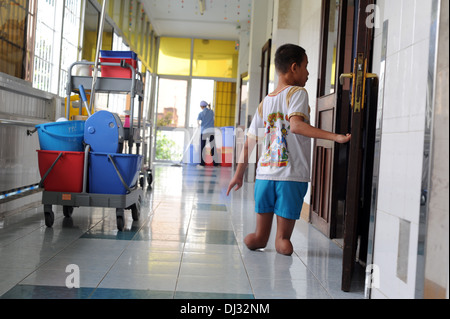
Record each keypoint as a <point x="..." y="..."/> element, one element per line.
<point x="187" y="244"/>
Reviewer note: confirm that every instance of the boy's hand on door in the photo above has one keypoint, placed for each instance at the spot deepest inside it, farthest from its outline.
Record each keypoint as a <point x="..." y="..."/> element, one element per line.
<point x="342" y="139"/>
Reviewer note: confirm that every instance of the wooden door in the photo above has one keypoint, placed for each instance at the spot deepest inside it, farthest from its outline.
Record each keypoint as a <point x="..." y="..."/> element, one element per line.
<point x="328" y="187"/>
<point x="265" y="69"/>
<point x="264" y="88"/>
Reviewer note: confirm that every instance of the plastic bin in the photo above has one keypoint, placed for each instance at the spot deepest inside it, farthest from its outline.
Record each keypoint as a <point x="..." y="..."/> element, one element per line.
<point x="117" y="71"/>
<point x="61" y="136"/>
<point x="118" y="54"/>
<point x="194" y="158"/>
<point x="227" y="136"/>
<point x="227" y="146"/>
<point x="66" y="175"/>
<point x="103" y="178"/>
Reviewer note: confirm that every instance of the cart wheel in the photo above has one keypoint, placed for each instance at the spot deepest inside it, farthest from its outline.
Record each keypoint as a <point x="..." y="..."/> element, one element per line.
<point x="120" y="219"/>
<point x="120" y="223"/>
<point x="49" y="216"/>
<point x="49" y="219"/>
<point x="136" y="209"/>
<point x="149" y="178"/>
<point x="67" y="211"/>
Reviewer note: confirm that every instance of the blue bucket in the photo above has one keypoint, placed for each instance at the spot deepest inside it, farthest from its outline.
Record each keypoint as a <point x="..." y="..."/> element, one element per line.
<point x="61" y="136"/>
<point x="227" y="136"/>
<point x="103" y="177"/>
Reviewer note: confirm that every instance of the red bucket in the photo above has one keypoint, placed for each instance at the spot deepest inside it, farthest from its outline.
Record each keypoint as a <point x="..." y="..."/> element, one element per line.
<point x="117" y="71"/>
<point x="66" y="175"/>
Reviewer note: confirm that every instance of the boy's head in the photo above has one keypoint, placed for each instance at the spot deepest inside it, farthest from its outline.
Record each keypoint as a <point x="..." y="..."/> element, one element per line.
<point x="291" y="59"/>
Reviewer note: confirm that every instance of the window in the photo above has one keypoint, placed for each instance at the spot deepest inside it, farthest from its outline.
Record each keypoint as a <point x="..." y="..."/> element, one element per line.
<point x="201" y="90"/>
<point x="190" y="71"/>
<point x="16" y="28"/>
<point x="330" y="46"/>
<point x="46" y="59"/>
<point x="70" y="39"/>
<point x="172" y="103"/>
<point x="54" y="36"/>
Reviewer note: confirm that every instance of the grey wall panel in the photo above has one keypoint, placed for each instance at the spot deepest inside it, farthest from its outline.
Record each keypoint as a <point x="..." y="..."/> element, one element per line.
<point x="21" y="109"/>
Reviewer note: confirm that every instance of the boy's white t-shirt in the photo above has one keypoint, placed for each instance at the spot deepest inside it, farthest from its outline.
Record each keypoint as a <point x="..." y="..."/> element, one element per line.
<point x="285" y="156"/>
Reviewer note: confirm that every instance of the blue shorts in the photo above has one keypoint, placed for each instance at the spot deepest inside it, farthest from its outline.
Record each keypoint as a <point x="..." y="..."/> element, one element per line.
<point x="285" y="199"/>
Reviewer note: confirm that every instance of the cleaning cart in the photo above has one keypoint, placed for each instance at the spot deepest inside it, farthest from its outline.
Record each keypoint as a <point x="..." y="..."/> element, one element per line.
<point x="98" y="174"/>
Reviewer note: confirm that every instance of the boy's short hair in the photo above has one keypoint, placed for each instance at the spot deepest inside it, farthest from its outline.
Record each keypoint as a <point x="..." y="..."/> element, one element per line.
<point x="287" y="55"/>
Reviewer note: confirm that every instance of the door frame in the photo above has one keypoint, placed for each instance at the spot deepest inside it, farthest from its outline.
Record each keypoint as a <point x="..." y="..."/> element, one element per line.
<point x="359" y="182"/>
<point x="265" y="69"/>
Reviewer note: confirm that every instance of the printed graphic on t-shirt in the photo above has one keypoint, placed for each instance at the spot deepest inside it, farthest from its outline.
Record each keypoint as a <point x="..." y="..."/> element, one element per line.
<point x="276" y="152"/>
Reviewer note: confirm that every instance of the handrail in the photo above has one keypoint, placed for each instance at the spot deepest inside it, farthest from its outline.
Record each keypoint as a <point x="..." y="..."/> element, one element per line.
<point x="19" y="123"/>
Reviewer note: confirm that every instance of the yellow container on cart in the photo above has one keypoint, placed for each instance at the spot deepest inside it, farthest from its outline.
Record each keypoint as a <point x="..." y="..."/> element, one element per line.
<point x="75" y="104"/>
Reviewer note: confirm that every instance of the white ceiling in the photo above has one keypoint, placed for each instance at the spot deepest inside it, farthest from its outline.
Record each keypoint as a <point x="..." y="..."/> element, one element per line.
<point x="222" y="19"/>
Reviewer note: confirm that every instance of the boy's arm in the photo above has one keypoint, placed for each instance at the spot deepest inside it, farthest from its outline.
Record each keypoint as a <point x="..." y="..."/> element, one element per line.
<point x="238" y="178"/>
<point x="298" y="126"/>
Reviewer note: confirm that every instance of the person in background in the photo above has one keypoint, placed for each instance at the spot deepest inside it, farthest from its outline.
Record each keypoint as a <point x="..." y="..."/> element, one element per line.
<point x="206" y="122"/>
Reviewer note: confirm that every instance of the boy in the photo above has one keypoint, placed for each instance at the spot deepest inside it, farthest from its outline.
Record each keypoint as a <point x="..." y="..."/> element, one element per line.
<point x="283" y="171"/>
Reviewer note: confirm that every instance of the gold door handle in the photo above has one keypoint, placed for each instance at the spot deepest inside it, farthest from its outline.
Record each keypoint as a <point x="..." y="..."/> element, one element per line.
<point x="345" y="76"/>
<point x="353" y="77"/>
<point x="359" y="77"/>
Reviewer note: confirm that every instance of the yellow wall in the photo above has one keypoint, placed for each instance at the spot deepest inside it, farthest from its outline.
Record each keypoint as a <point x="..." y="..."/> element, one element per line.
<point x="211" y="58"/>
<point x="225" y="103"/>
<point x="90" y="44"/>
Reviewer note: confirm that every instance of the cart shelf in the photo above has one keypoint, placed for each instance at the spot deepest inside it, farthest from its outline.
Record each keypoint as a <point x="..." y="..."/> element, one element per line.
<point x="107" y="85"/>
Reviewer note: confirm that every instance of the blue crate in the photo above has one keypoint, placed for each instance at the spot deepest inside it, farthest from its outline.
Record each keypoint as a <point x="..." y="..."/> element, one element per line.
<point x="118" y="54"/>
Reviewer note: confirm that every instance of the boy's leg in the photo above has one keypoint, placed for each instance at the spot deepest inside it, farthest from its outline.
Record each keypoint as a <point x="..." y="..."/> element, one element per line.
<point x="261" y="236"/>
<point x="283" y="244"/>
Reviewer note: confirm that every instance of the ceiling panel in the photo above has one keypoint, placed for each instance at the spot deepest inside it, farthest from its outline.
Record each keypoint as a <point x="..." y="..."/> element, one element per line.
<point x="221" y="19"/>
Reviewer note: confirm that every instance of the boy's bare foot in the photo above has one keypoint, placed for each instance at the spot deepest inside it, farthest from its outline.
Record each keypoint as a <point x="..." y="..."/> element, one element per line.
<point x="253" y="243"/>
<point x="284" y="247"/>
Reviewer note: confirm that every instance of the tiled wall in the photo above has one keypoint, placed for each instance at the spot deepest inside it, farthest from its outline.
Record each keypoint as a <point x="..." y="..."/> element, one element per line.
<point x="402" y="144"/>
<point x="437" y="244"/>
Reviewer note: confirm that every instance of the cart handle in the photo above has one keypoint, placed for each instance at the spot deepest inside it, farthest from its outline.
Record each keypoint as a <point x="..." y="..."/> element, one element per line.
<point x="118" y="174"/>
<point x="41" y="183"/>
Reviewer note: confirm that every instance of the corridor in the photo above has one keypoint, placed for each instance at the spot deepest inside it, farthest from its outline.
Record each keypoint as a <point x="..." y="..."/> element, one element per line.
<point x="188" y="244"/>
